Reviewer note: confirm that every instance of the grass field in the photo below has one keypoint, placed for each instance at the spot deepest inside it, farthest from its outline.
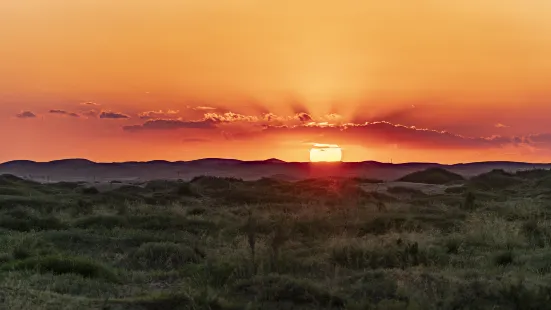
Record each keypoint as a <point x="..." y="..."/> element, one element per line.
<point x="218" y="243"/>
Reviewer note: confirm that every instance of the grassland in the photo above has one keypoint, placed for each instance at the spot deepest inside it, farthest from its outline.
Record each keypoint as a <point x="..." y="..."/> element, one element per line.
<point x="219" y="243"/>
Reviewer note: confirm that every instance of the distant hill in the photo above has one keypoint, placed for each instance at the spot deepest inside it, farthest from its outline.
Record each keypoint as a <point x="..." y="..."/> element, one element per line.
<point x="88" y="171"/>
<point x="495" y="179"/>
<point x="432" y="176"/>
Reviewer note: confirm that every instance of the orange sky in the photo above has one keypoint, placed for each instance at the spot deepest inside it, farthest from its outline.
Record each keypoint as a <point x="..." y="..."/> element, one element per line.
<point x="420" y="80"/>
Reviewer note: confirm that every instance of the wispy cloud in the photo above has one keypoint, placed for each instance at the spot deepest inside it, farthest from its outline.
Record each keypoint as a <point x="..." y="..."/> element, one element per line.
<point x="90" y="103"/>
<point x="26" y="114"/>
<point x="500" y="125"/>
<point x="171" y="124"/>
<point x="303" y="117"/>
<point x="62" y="112"/>
<point x="230" y="117"/>
<point x="203" y="108"/>
<point x="158" y="114"/>
<point x="113" y="115"/>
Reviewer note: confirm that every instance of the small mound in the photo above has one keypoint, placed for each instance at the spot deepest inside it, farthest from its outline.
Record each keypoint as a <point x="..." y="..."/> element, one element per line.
<point x="63" y="265"/>
<point x="214" y="183"/>
<point x="10" y="180"/>
<point x="544" y="182"/>
<point x="6" y="179"/>
<point x="282" y="288"/>
<point x="432" y="176"/>
<point x="495" y="179"/>
<point x="163" y="255"/>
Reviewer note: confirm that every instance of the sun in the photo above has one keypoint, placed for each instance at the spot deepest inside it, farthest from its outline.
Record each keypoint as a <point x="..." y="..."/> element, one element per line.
<point x="325" y="153"/>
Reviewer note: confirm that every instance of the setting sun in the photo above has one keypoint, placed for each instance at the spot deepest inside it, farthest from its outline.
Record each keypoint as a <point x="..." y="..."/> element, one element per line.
<point x="325" y="153"/>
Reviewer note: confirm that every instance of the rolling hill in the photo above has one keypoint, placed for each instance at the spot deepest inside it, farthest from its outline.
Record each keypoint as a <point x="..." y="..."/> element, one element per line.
<point x="85" y="170"/>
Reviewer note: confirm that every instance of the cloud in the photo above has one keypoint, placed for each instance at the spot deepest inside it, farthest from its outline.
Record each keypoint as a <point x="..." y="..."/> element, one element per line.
<point x="382" y="134"/>
<point x="62" y="112"/>
<point x="303" y="117"/>
<point x="91" y="113"/>
<point x="203" y="108"/>
<point x="209" y="120"/>
<point x="194" y="140"/>
<point x="113" y="115"/>
<point x="230" y="117"/>
<point x="157" y="114"/>
<point x="171" y="124"/>
<point x="500" y="125"/>
<point x="26" y="114"/>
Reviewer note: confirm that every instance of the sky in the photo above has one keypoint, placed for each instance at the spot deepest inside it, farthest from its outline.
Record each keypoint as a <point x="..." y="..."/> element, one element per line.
<point x="400" y="81"/>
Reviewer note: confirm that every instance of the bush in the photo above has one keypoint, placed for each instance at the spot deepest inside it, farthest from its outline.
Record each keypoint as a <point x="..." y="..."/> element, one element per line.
<point x="98" y="221"/>
<point x="282" y="288"/>
<point x="90" y="191"/>
<point x="63" y="265"/>
<point x="186" y="190"/>
<point x="401" y="255"/>
<point x="31" y="246"/>
<point x="469" y="203"/>
<point x="504" y="258"/>
<point x="26" y="219"/>
<point x="398" y="190"/>
<point x="163" y="255"/>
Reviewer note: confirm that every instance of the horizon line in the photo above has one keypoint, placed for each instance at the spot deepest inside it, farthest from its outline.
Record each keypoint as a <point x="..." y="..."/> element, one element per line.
<point x="266" y="160"/>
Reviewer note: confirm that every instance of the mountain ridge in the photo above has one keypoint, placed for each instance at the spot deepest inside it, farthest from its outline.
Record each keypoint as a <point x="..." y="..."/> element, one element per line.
<point x="77" y="169"/>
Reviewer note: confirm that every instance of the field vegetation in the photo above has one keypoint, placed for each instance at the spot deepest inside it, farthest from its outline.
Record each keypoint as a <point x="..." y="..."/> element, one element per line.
<point x="225" y="243"/>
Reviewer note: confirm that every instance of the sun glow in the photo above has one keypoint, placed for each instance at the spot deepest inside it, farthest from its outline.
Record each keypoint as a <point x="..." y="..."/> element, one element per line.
<point x="325" y="153"/>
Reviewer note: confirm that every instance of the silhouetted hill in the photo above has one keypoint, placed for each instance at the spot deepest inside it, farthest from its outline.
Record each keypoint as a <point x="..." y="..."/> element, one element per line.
<point x="495" y="179"/>
<point x="85" y="170"/>
<point x="434" y="175"/>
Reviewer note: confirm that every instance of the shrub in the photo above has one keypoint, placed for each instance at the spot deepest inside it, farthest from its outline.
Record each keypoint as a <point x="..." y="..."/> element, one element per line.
<point x="156" y="302"/>
<point x="404" y="254"/>
<point x="102" y="220"/>
<point x="196" y="211"/>
<point x="31" y="246"/>
<point x="186" y="190"/>
<point x="25" y="219"/>
<point x="469" y="203"/>
<point x="163" y="255"/>
<point x="535" y="233"/>
<point x="504" y="258"/>
<point x="170" y="221"/>
<point x="62" y="265"/>
<point x="398" y="190"/>
<point x="373" y="285"/>
<point x="282" y="288"/>
<point x="455" y="190"/>
<point x="90" y="191"/>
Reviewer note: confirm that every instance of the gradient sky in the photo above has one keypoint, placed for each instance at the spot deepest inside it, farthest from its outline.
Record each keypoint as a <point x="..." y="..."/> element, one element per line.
<point x="428" y="80"/>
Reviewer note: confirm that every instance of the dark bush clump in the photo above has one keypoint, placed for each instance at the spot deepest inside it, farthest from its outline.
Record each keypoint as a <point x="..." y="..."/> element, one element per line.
<point x="163" y="255"/>
<point x="62" y="265"/>
<point x="25" y="219"/>
<point x="90" y="191"/>
<point x="105" y="221"/>
<point x="186" y="190"/>
<point x="282" y="289"/>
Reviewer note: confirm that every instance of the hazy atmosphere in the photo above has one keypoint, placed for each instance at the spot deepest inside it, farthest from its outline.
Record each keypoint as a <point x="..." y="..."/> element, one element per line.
<point x="385" y="80"/>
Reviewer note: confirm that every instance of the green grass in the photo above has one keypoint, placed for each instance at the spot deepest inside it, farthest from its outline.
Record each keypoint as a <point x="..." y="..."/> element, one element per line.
<point x="62" y="265"/>
<point x="224" y="243"/>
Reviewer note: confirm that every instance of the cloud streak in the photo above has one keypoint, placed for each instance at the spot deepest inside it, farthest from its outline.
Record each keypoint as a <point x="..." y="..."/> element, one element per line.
<point x="25" y="114"/>
<point x="113" y="115"/>
<point x="157" y="114"/>
<point x="62" y="112"/>
<point x="170" y="124"/>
